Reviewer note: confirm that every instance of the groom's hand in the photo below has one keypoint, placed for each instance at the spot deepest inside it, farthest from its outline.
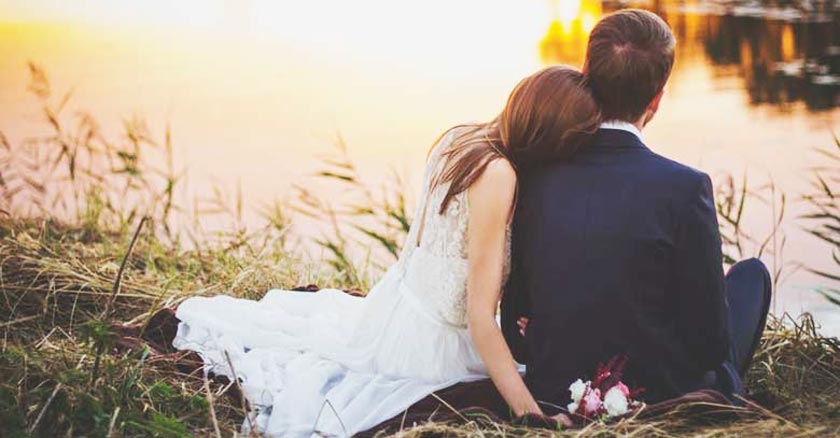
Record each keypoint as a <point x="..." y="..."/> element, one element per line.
<point x="523" y="325"/>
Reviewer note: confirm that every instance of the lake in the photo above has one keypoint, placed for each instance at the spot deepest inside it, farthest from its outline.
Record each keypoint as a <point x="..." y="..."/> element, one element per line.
<point x="257" y="91"/>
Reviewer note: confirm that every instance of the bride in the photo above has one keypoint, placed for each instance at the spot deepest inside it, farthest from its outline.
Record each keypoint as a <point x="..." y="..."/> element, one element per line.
<point x="333" y="364"/>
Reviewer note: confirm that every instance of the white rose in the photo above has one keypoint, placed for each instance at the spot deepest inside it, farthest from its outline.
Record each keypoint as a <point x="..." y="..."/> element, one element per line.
<point x="615" y="402"/>
<point x="573" y="407"/>
<point x="577" y="390"/>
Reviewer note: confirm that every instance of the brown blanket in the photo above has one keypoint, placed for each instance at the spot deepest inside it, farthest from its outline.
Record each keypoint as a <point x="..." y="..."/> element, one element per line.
<point x="477" y="401"/>
<point x="461" y="403"/>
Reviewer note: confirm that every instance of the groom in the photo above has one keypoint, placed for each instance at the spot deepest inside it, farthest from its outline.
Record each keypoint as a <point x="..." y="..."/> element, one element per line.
<point x="618" y="251"/>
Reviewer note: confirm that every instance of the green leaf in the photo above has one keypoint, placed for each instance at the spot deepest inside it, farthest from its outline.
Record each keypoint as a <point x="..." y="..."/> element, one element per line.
<point x="832" y="295"/>
<point x="199" y="403"/>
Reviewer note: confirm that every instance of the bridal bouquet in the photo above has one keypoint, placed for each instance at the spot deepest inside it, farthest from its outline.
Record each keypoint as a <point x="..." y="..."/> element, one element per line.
<point x="605" y="396"/>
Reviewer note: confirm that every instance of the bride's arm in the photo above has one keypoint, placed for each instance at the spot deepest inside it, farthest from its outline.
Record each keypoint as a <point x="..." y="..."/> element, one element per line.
<point x="490" y="201"/>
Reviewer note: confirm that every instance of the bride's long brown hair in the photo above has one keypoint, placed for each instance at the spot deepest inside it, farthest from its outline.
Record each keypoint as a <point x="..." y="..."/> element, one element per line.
<point x="548" y="116"/>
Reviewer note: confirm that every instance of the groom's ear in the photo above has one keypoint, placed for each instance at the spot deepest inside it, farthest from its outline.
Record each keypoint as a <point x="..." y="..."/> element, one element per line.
<point x="653" y="107"/>
<point x="654" y="104"/>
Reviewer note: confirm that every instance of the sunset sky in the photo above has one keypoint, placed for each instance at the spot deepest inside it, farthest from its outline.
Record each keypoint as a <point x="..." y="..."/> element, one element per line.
<point x="366" y="23"/>
<point x="182" y="12"/>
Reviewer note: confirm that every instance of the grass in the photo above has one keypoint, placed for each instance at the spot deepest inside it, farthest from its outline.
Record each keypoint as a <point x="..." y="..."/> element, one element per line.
<point x="57" y="281"/>
<point x="92" y="237"/>
<point x="62" y="373"/>
<point x="377" y="219"/>
<point x="824" y="216"/>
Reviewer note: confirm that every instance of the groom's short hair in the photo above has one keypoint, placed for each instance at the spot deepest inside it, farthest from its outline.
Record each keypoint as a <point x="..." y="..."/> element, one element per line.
<point x="628" y="61"/>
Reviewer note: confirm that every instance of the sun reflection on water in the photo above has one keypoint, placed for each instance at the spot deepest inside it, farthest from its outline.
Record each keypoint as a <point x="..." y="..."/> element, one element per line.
<point x="572" y="21"/>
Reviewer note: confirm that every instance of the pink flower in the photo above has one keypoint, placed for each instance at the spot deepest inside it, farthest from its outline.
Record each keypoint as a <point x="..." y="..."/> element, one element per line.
<point x="592" y="402"/>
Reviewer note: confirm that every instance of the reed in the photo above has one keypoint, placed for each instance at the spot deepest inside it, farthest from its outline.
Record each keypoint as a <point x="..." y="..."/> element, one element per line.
<point x="823" y="220"/>
<point x="375" y="218"/>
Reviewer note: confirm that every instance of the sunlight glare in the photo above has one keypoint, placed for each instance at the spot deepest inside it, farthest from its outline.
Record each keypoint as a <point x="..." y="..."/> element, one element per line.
<point x="432" y="28"/>
<point x="566" y="11"/>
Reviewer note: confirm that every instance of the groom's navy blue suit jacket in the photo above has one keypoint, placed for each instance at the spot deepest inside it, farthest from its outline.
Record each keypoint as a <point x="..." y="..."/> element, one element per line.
<point x="617" y="251"/>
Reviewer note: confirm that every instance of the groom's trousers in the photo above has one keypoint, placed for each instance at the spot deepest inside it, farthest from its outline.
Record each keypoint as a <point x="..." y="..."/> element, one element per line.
<point x="748" y="288"/>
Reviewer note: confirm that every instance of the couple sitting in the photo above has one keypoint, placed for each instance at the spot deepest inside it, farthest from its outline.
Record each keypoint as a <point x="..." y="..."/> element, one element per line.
<point x="594" y="245"/>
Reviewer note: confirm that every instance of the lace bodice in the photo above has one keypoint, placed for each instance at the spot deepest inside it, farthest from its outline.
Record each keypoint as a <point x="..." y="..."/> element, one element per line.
<point x="435" y="269"/>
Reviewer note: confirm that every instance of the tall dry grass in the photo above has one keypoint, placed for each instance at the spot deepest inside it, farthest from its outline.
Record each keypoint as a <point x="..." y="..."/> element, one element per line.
<point x="56" y="282"/>
<point x="824" y="217"/>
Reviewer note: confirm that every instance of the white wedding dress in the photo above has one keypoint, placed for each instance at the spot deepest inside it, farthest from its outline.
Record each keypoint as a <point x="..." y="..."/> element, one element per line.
<point x="328" y="363"/>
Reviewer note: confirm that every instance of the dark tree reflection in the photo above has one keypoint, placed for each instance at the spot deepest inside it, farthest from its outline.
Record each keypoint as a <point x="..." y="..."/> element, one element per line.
<point x="784" y="51"/>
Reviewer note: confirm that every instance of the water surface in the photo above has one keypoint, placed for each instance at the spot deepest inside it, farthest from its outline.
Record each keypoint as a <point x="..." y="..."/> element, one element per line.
<point x="257" y="91"/>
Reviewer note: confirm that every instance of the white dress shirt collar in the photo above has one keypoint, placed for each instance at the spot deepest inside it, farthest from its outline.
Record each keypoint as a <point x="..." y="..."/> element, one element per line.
<point x="622" y="126"/>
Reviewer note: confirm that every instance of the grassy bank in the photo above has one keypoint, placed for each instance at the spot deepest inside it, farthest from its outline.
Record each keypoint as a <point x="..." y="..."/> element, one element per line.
<point x="63" y="373"/>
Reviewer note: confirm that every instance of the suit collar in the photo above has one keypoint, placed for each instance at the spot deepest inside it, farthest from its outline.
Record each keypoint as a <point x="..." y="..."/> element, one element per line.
<point x="609" y="139"/>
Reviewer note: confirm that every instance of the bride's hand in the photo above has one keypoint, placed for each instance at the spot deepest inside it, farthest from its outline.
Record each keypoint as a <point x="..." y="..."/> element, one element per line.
<point x="563" y="419"/>
<point x="491" y="200"/>
<point x="541" y="420"/>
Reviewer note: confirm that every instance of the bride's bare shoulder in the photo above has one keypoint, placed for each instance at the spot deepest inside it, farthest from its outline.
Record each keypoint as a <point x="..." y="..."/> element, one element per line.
<point x="499" y="172"/>
<point x="497" y="180"/>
